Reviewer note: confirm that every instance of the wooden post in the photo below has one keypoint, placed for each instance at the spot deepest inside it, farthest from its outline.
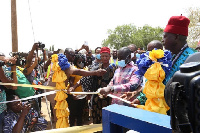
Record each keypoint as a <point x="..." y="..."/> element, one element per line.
<point x="14" y="26"/>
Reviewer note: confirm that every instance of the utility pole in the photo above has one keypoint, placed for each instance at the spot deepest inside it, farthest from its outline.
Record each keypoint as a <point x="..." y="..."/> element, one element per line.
<point x="14" y="26"/>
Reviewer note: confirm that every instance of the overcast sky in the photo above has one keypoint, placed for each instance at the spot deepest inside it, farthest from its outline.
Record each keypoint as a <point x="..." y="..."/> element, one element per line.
<point x="68" y="23"/>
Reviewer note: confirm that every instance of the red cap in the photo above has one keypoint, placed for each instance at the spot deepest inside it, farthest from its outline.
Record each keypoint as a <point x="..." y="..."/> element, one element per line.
<point x="105" y="50"/>
<point x="178" y="25"/>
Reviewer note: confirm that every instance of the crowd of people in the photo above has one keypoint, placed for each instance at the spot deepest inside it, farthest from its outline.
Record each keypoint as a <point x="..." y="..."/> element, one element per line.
<point x="108" y="71"/>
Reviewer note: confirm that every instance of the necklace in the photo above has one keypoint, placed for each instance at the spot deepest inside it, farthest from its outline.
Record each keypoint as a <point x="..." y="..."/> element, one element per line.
<point x="179" y="54"/>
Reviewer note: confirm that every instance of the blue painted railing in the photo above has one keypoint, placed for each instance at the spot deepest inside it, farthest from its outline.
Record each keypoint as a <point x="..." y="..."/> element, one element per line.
<point x="117" y="117"/>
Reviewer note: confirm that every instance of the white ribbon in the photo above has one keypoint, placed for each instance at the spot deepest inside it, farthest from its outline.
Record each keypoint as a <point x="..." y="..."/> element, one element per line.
<point x="31" y="97"/>
<point x="113" y="96"/>
<point x="84" y="93"/>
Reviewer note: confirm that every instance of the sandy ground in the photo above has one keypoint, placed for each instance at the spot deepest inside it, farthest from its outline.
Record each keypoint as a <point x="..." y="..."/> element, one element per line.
<point x="44" y="111"/>
<point x="45" y="114"/>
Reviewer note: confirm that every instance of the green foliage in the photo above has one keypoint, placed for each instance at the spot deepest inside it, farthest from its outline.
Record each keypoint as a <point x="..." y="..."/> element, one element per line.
<point x="120" y="37"/>
<point x="194" y="27"/>
<point x="50" y="48"/>
<point x="129" y="34"/>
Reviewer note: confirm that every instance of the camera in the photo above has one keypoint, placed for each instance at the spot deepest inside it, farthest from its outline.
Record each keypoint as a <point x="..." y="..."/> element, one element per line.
<point x="29" y="101"/>
<point x="88" y="60"/>
<point x="41" y="45"/>
<point x="20" y="62"/>
<point x="21" y="58"/>
<point x="33" y="104"/>
<point x="2" y="63"/>
<point x="182" y="94"/>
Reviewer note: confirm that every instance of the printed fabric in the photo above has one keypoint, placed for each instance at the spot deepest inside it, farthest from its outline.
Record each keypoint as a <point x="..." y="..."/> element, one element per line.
<point x="11" y="119"/>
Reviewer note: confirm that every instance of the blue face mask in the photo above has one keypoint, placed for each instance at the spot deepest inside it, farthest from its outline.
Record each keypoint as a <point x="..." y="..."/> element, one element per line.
<point x="121" y="63"/>
<point x="98" y="56"/>
<point x="138" y="56"/>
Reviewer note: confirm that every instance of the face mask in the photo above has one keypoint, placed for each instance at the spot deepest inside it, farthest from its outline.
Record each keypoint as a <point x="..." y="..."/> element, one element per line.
<point x="98" y="56"/>
<point x="121" y="63"/>
<point x="138" y="56"/>
<point x="81" y="65"/>
<point x="132" y="55"/>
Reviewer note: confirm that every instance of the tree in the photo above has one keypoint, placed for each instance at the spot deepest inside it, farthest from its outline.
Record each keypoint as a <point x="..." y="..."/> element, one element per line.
<point x="194" y="27"/>
<point x="52" y="47"/>
<point x="129" y="34"/>
<point x="120" y="37"/>
<point x="147" y="34"/>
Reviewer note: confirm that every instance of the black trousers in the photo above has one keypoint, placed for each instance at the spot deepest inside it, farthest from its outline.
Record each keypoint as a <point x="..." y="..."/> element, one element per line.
<point x="76" y="110"/>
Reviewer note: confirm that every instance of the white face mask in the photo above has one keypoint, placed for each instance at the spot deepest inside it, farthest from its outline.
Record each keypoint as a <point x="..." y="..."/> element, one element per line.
<point x="81" y="65"/>
<point x="132" y="55"/>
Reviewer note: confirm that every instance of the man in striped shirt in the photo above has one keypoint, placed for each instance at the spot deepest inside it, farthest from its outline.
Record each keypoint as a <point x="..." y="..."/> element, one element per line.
<point x="124" y="79"/>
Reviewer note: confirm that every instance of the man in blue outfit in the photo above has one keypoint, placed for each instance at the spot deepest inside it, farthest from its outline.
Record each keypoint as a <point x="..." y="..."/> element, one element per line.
<point x="175" y="40"/>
